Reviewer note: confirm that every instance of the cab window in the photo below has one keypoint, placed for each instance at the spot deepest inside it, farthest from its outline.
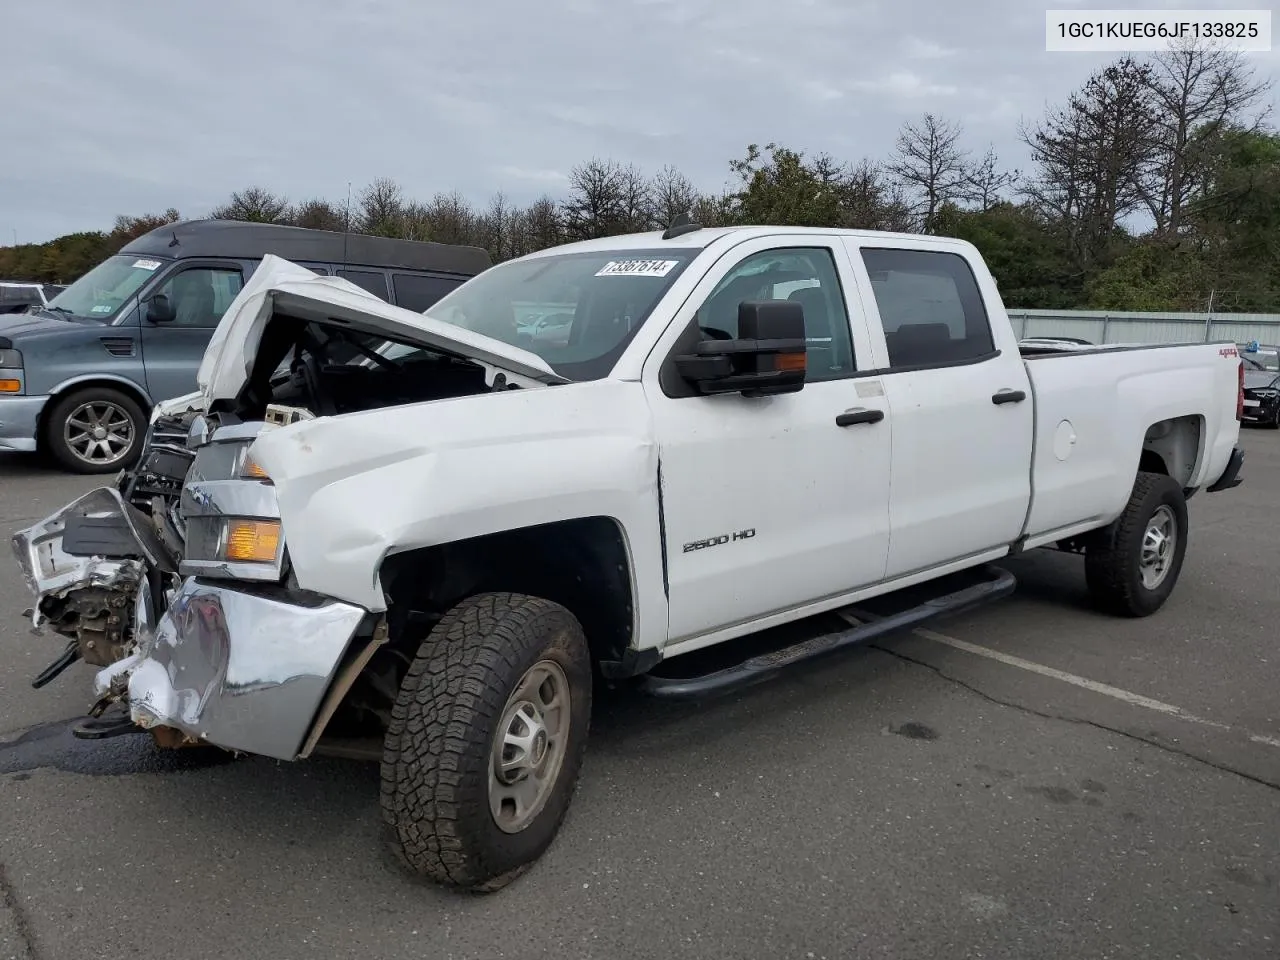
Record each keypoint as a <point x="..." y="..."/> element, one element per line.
<point x="804" y="275"/>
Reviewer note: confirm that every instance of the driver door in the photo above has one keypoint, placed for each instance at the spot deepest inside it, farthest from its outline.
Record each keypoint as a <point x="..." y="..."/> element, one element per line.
<point x="768" y="504"/>
<point x="172" y="351"/>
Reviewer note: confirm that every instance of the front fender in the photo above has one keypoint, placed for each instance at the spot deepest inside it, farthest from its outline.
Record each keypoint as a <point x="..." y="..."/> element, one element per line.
<point x="355" y="489"/>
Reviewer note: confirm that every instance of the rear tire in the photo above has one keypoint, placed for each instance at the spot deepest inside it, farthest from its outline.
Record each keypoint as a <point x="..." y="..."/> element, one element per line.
<point x="1132" y="565"/>
<point x="479" y="764"/>
<point x="69" y="432"/>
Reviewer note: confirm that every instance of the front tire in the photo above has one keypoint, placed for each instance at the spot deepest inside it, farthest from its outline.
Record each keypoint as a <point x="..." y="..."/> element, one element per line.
<point x="486" y="740"/>
<point x="95" y="430"/>
<point x="1133" y="564"/>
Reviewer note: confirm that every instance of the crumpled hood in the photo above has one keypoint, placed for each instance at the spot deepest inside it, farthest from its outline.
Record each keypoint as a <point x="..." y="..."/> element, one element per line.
<point x="1259" y="379"/>
<point x="281" y="284"/>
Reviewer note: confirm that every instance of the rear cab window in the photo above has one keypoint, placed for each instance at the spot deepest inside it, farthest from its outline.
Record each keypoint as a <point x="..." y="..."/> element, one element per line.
<point x="930" y="306"/>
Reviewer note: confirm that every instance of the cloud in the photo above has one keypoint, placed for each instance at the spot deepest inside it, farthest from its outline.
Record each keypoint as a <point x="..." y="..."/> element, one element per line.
<point x="918" y="48"/>
<point x="509" y="172"/>
<point x="140" y="106"/>
<point x="905" y="85"/>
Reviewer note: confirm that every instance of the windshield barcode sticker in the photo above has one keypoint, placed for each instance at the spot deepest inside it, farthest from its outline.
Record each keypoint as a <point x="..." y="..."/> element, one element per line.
<point x="146" y="264"/>
<point x="101" y="308"/>
<point x="637" y="268"/>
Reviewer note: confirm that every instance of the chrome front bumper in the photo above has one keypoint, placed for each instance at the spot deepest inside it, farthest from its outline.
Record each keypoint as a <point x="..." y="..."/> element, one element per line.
<point x="241" y="668"/>
<point x="243" y="671"/>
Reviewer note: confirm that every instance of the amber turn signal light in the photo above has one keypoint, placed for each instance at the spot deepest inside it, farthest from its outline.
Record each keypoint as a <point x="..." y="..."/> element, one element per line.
<point x="252" y="541"/>
<point x="789" y="361"/>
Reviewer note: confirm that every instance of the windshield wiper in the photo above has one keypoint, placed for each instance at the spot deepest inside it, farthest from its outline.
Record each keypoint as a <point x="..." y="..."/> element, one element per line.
<point x="50" y="307"/>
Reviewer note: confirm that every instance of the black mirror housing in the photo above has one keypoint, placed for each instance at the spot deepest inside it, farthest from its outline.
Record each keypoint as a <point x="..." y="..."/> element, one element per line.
<point x="160" y="310"/>
<point x="768" y="357"/>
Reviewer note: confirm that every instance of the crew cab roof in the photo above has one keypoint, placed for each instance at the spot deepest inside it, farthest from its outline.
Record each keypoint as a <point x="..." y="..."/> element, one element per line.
<point x="238" y="238"/>
<point x="706" y="236"/>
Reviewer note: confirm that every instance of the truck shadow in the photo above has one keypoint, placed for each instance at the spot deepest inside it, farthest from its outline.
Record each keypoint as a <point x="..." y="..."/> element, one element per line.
<point x="24" y="465"/>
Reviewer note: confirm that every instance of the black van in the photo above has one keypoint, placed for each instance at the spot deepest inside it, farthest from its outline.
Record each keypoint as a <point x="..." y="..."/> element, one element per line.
<point x="79" y="375"/>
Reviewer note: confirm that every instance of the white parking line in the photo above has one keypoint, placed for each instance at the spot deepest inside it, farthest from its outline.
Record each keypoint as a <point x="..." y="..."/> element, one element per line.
<point x="1134" y="699"/>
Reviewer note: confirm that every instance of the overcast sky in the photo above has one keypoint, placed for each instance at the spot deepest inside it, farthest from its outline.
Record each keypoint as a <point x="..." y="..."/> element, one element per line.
<point x="128" y="107"/>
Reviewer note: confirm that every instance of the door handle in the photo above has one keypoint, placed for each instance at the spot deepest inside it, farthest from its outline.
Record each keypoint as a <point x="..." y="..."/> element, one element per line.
<point x="1009" y="396"/>
<point x="851" y="417"/>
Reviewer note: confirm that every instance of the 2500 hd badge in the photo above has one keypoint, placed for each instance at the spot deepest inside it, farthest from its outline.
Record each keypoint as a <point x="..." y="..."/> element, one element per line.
<point x="719" y="541"/>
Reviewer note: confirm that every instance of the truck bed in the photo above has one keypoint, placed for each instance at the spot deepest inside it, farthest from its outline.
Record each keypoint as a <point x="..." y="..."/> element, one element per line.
<point x="1104" y="412"/>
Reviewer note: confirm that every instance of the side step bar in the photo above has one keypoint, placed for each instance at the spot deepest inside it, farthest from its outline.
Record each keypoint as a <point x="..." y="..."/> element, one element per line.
<point x="999" y="583"/>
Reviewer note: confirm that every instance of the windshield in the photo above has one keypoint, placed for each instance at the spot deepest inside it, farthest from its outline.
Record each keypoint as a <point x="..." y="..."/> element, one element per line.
<point x="101" y="291"/>
<point x="577" y="311"/>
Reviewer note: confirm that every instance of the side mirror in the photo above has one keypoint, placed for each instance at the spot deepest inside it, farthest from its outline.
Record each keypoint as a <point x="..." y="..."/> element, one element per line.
<point x="768" y="357"/>
<point x="160" y="310"/>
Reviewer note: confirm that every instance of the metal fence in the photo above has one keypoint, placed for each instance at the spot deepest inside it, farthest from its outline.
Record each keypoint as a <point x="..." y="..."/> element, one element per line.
<point x="1099" y="326"/>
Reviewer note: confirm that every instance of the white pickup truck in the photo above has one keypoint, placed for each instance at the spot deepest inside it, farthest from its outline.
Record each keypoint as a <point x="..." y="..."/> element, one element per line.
<point x="442" y="535"/>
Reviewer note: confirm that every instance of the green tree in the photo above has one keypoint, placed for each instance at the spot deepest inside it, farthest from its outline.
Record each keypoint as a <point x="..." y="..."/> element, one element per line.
<point x="1028" y="254"/>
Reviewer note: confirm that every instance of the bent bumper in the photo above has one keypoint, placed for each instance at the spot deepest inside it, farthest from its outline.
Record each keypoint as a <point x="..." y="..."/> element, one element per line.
<point x="243" y="671"/>
<point x="20" y="422"/>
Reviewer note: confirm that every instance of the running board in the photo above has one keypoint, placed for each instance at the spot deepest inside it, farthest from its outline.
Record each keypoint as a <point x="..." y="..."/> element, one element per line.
<point x="999" y="583"/>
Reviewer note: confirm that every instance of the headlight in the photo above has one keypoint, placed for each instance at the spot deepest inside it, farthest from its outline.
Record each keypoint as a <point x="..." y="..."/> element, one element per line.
<point x="214" y="540"/>
<point x="10" y="359"/>
<point x="230" y="509"/>
<point x="245" y="547"/>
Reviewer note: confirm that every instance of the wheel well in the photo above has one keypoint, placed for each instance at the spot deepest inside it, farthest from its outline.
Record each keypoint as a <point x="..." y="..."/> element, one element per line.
<point x="128" y="389"/>
<point x="582" y="564"/>
<point x="1172" y="447"/>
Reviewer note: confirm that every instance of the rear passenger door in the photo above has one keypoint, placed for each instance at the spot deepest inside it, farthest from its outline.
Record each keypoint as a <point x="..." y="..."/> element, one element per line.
<point x="961" y="406"/>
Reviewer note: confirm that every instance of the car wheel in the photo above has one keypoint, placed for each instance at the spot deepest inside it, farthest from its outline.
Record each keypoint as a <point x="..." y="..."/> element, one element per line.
<point x="1132" y="565"/>
<point x="486" y="740"/>
<point x="96" y="430"/>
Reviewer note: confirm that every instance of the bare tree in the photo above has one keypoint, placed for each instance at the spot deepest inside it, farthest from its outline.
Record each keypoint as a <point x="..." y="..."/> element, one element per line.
<point x="1199" y="92"/>
<point x="929" y="164"/>
<point x="1091" y="157"/>
<point x="543" y="226"/>
<point x="985" y="184"/>
<point x="494" y="227"/>
<point x="416" y="222"/>
<point x="254" y="203"/>
<point x="452" y="219"/>
<point x="606" y="198"/>
<point x="318" y="215"/>
<point x="637" y="200"/>
<point x="872" y="202"/>
<point x="380" y="208"/>
<point x="672" y="195"/>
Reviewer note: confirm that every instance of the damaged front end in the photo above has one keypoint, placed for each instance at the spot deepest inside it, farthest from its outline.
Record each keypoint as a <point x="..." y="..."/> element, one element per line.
<point x="103" y="568"/>
<point x="96" y="568"/>
<point x="181" y="594"/>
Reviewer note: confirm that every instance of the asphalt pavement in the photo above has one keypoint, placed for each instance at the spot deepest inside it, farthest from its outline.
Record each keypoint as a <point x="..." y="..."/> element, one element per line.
<point x="1029" y="780"/>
